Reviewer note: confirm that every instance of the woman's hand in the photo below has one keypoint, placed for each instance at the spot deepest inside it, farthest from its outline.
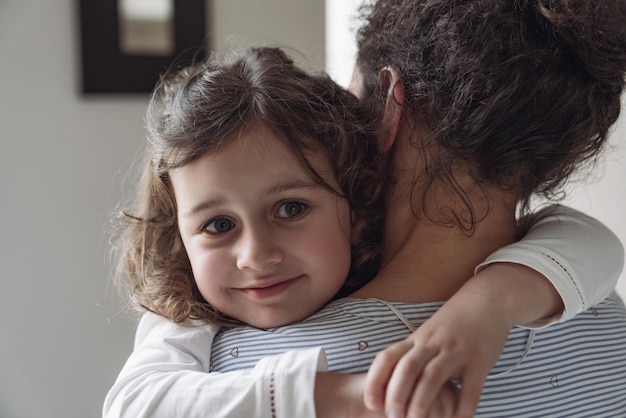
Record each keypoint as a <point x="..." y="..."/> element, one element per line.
<point x="462" y="341"/>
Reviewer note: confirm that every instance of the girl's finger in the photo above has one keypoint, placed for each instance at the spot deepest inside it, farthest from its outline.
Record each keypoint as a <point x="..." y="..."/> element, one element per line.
<point x="380" y="373"/>
<point x="407" y="373"/>
<point x="435" y="376"/>
<point x="472" y="387"/>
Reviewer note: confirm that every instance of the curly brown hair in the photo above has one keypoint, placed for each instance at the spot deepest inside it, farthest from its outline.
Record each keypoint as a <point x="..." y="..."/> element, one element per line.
<point x="202" y="107"/>
<point x="520" y="92"/>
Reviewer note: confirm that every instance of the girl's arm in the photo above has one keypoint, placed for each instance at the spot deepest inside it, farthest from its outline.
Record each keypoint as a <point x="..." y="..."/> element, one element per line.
<point x="580" y="256"/>
<point x="566" y="263"/>
<point x="167" y="375"/>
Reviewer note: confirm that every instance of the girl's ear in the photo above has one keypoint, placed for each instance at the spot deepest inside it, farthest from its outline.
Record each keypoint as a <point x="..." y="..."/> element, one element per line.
<point x="393" y="93"/>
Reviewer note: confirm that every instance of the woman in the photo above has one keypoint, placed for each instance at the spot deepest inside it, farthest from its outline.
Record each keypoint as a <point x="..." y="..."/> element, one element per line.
<point x="517" y="92"/>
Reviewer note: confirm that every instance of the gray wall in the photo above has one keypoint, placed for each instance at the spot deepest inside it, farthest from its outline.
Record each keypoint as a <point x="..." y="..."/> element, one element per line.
<point x="63" y="159"/>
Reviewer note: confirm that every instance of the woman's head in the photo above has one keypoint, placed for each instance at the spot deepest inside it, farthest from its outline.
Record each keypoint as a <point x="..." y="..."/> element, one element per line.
<point x="519" y="93"/>
<point x="204" y="110"/>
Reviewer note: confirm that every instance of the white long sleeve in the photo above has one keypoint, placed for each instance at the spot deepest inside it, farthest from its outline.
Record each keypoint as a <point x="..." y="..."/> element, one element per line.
<point x="579" y="255"/>
<point x="167" y="375"/>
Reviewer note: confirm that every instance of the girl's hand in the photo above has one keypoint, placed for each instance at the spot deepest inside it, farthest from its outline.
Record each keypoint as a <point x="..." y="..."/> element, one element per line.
<point x="456" y="343"/>
<point x="462" y="341"/>
<point x="341" y="396"/>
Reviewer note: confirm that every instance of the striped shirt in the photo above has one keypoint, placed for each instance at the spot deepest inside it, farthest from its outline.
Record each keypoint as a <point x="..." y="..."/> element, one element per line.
<point x="573" y="369"/>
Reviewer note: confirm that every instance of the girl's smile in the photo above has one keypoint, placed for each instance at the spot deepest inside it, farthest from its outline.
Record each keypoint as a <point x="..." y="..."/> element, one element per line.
<point x="263" y="291"/>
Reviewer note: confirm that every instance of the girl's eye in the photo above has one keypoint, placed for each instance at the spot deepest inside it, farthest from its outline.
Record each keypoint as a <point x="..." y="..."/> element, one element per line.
<point x="290" y="210"/>
<point x="219" y="226"/>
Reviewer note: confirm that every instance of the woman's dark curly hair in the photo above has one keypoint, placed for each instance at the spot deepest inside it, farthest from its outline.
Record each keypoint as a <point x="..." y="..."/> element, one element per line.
<point x="202" y="107"/>
<point x="520" y="92"/>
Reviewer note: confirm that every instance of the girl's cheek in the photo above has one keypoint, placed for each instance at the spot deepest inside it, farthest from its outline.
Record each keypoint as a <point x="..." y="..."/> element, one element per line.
<point x="210" y="265"/>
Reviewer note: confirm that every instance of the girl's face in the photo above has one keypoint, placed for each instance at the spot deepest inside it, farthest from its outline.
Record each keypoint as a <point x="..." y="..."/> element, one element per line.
<point x="267" y="245"/>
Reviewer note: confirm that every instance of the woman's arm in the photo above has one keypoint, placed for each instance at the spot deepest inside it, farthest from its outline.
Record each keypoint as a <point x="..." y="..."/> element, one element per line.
<point x="566" y="263"/>
<point x="167" y="375"/>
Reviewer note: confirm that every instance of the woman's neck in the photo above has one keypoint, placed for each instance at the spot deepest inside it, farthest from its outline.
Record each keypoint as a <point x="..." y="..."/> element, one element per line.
<point x="424" y="262"/>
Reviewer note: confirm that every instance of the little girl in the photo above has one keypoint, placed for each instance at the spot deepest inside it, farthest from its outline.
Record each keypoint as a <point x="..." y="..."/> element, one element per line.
<point x="262" y="192"/>
<point x="260" y="180"/>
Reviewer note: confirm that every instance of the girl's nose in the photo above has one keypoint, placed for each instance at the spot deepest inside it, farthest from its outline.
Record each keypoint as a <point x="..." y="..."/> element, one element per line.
<point x="258" y="249"/>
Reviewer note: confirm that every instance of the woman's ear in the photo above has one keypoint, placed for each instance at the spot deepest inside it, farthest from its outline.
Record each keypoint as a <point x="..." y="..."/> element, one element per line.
<point x="392" y="89"/>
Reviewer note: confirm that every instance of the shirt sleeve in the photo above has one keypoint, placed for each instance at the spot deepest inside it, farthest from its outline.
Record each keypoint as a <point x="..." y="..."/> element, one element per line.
<point x="167" y="375"/>
<point x="579" y="255"/>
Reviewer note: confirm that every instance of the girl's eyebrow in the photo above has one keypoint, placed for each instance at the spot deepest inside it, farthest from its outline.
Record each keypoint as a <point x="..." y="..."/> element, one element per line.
<point x="292" y="186"/>
<point x="202" y="206"/>
<point x="289" y="186"/>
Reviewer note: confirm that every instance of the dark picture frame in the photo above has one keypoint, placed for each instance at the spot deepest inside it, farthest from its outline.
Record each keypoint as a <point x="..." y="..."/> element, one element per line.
<point x="105" y="69"/>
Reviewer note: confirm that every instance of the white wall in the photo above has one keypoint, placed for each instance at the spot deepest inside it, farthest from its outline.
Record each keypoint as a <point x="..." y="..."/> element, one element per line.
<point x="59" y="163"/>
<point x="294" y="24"/>
<point x="62" y="159"/>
